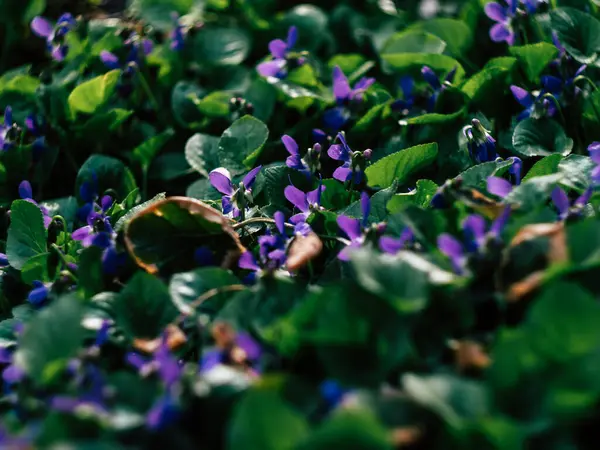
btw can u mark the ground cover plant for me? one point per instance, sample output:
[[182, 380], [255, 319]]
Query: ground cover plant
[[361, 224]]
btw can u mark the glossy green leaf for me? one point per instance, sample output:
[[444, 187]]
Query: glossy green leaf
[[242, 141], [91, 95], [541, 137], [399, 165], [26, 234]]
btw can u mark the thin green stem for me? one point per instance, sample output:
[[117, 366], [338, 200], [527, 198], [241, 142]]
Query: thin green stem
[[148, 92], [63, 259]]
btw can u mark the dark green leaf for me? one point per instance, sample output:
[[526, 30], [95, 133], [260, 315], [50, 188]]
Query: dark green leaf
[[145, 152], [144, 307], [26, 234], [541, 137], [221, 46], [420, 196], [202, 153], [534, 58], [399, 165], [50, 339], [91, 95], [241, 142], [578, 33], [109, 172]]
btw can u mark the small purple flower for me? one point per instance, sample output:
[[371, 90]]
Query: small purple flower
[[501, 187], [272, 251], [308, 165], [177, 34], [39, 294], [98, 231], [163, 363], [437, 85], [12, 373], [358, 230], [26, 193], [481, 145], [307, 203], [54, 35], [535, 103], [594, 149], [565, 70], [164, 412], [503, 15], [391, 245], [36, 128], [476, 237], [243, 352], [345, 97], [282, 56], [235, 199], [406, 103], [562, 203], [354, 163], [9, 131], [3, 260]]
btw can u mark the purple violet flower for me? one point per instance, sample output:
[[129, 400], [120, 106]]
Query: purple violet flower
[[54, 35], [392, 245], [26, 193], [8, 131], [565, 208], [177, 34], [354, 163], [307, 203], [272, 251], [566, 70], [594, 150], [358, 230], [474, 229], [282, 56], [243, 352], [501, 187], [345, 96], [535, 103], [40, 292], [505, 13], [163, 363], [406, 103], [308, 165], [235, 199], [481, 145], [437, 85], [4, 260]]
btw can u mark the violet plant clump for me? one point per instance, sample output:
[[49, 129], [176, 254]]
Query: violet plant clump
[[300, 225]]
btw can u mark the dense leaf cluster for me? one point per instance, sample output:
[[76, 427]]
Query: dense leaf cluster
[[361, 224]]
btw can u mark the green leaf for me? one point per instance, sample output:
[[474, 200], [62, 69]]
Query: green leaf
[[534, 192], [541, 137], [453, 398], [455, 33], [109, 172], [129, 214], [413, 41], [202, 153], [399, 165], [477, 175], [215, 104], [262, 96], [243, 140], [183, 105], [26, 234], [50, 339], [91, 95], [534, 58], [312, 23], [188, 286], [144, 307], [158, 12], [545, 166], [349, 429], [145, 152], [165, 235], [263, 420], [420, 196], [379, 200], [392, 279], [485, 83], [576, 171], [221, 46], [90, 272], [561, 330], [36, 268], [578, 32]]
